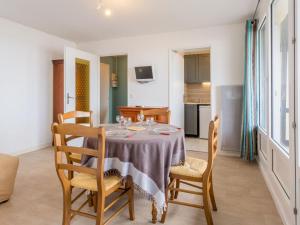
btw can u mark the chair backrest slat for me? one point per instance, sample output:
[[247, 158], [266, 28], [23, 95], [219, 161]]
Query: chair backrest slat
[[212, 145], [159, 115], [77, 115], [70, 129], [78, 169], [78, 150]]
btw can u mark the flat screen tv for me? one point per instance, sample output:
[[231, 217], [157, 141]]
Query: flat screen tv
[[144, 73]]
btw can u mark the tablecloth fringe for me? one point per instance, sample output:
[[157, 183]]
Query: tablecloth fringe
[[142, 192]]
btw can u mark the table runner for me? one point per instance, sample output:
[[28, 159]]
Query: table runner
[[146, 156]]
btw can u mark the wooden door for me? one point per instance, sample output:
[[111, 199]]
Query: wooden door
[[58, 88], [104, 92], [71, 56], [176, 89]]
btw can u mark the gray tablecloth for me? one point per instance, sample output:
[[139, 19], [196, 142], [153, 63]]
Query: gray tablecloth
[[145, 155]]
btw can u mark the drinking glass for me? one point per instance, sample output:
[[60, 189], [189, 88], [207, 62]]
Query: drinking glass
[[140, 117], [151, 120], [124, 122], [148, 121], [129, 121], [122, 119], [118, 118]]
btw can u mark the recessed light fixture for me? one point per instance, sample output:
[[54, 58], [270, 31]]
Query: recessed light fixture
[[107, 12], [100, 6]]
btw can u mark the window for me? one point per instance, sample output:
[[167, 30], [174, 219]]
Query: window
[[280, 81], [263, 75]]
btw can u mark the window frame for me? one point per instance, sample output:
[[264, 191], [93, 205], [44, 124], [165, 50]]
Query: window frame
[[284, 149], [265, 25]]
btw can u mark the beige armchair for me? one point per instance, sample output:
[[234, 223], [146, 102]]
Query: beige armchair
[[8, 171]]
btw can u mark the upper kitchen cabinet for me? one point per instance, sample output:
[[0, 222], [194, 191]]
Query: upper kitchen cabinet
[[190, 70], [197, 68]]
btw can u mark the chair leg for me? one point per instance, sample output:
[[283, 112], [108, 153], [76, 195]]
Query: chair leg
[[212, 196], [164, 214], [100, 209], [129, 184], [67, 207], [206, 204], [172, 193], [177, 186], [154, 213], [94, 199], [90, 198]]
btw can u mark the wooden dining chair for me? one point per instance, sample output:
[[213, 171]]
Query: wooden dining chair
[[88, 179], [81, 117], [199, 171], [78, 117], [159, 115]]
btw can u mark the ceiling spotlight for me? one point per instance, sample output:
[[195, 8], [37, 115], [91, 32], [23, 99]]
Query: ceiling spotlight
[[99, 6], [107, 12]]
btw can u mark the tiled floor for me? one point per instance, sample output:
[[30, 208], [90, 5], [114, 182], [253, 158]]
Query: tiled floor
[[196, 144], [241, 194]]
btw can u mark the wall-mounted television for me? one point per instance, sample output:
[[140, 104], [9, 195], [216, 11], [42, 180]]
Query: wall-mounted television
[[144, 73]]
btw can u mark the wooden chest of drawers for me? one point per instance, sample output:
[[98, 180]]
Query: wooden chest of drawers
[[133, 111]]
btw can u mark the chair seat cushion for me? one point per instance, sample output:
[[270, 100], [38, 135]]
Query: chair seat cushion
[[192, 167], [75, 157], [89, 182]]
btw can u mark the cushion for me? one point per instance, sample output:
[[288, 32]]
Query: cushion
[[8, 168], [89, 182], [192, 167]]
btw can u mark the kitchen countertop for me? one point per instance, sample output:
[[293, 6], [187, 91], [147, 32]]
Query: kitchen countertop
[[196, 103]]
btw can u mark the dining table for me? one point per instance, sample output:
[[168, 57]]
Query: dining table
[[145, 152]]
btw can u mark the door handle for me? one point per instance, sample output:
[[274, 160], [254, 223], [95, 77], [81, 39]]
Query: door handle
[[69, 97]]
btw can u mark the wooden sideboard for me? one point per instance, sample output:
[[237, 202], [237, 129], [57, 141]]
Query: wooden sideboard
[[133, 111]]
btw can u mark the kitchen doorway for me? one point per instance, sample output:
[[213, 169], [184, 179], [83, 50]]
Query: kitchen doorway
[[114, 86], [190, 80]]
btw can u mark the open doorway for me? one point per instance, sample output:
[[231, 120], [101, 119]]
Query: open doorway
[[197, 98], [114, 86], [190, 80]]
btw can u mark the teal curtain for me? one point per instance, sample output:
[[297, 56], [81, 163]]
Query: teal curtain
[[249, 121]]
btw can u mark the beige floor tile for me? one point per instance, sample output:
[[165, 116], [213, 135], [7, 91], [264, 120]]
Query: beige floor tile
[[241, 194]]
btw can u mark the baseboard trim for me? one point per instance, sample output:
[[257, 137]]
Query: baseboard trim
[[272, 186], [33, 149]]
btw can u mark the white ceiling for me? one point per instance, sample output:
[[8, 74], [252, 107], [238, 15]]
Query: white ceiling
[[78, 20]]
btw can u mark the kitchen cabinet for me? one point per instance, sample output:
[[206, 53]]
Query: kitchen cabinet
[[197, 68], [190, 70], [191, 116]]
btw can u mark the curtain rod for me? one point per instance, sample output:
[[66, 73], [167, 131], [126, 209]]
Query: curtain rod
[[256, 10]]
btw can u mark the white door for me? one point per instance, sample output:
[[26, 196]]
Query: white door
[[297, 97], [70, 57], [176, 88], [104, 93]]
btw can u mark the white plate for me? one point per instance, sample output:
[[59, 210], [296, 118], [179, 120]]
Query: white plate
[[165, 130]]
